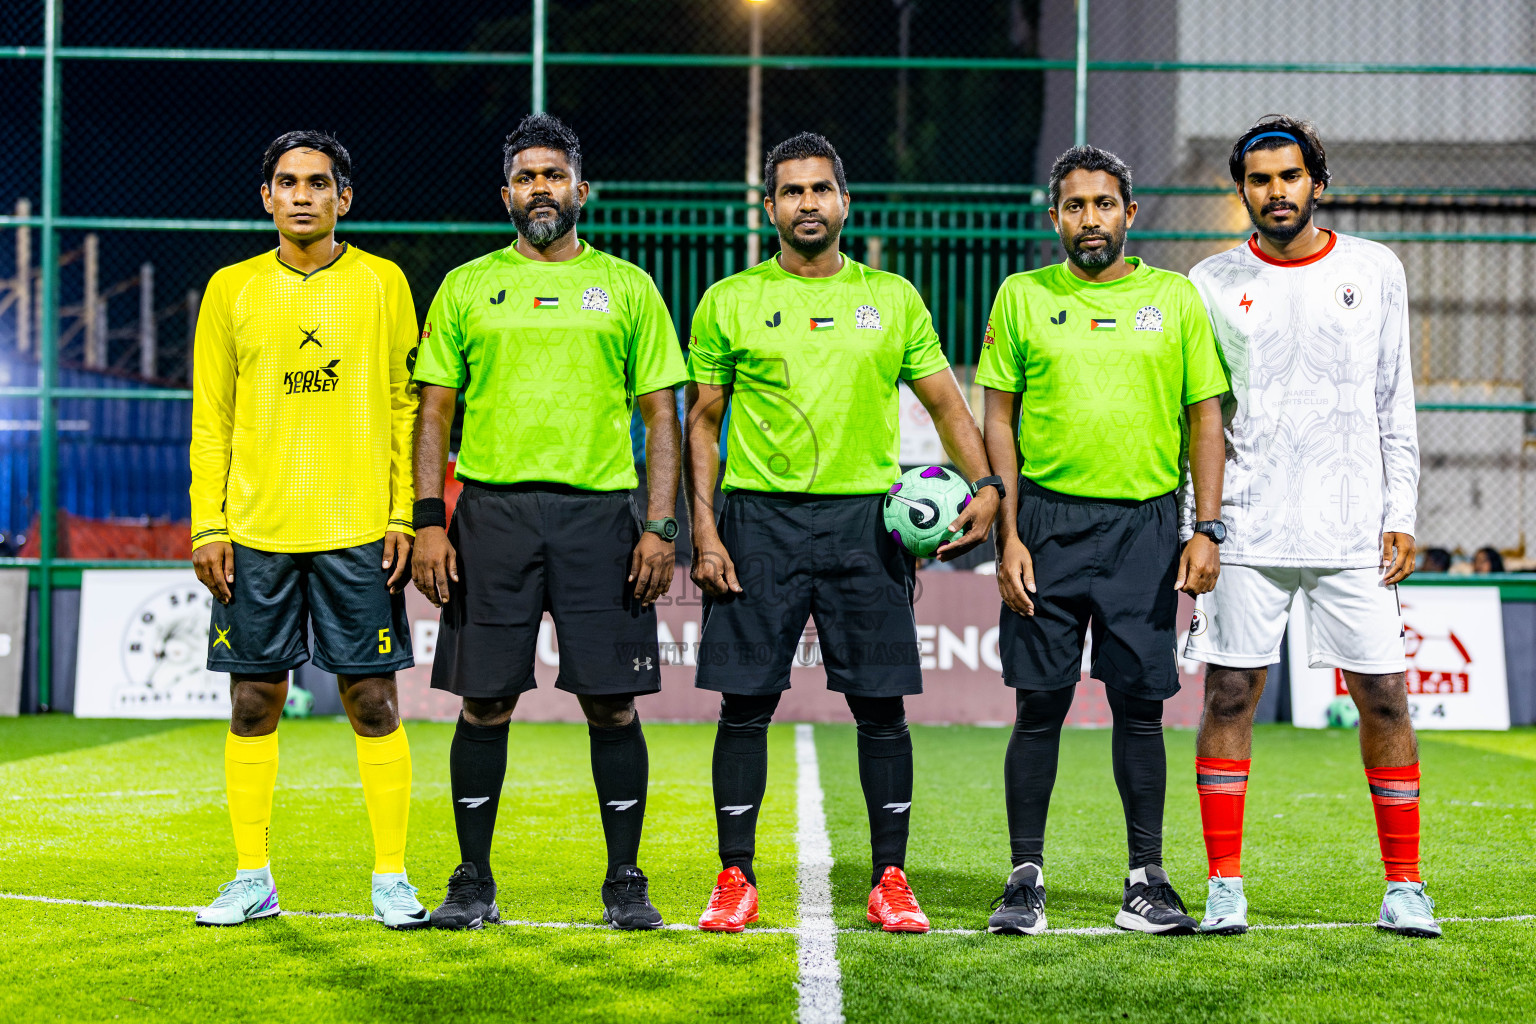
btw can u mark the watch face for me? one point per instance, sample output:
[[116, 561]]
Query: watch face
[[669, 529], [1218, 531]]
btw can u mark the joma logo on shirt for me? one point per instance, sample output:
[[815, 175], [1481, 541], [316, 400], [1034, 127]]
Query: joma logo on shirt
[[304, 382]]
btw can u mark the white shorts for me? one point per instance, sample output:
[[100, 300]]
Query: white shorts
[[1352, 621]]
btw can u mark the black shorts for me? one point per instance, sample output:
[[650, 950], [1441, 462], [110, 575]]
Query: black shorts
[[817, 556], [360, 628], [527, 549], [1111, 562]]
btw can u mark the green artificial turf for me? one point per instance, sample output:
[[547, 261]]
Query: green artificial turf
[[1310, 857], [134, 813]]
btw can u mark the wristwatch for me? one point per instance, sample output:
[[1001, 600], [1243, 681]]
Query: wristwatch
[[1212, 528], [990, 481], [666, 528]]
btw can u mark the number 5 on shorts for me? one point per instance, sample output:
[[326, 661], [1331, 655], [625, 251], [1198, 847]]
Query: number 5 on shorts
[[384, 641]]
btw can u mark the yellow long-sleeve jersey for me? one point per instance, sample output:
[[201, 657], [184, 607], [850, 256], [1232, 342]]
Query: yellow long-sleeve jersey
[[302, 404]]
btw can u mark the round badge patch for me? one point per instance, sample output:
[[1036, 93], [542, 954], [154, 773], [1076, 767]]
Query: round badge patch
[[1197, 624], [1348, 296]]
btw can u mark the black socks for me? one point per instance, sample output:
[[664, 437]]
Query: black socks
[[885, 773], [740, 775], [1029, 769], [620, 769], [477, 766]]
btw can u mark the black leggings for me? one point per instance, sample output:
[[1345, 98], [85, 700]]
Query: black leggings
[[1140, 762], [740, 775]]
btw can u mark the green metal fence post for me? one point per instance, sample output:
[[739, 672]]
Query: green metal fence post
[[1080, 100], [539, 23], [48, 354]]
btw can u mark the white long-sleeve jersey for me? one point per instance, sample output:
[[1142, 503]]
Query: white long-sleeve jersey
[[1322, 448]]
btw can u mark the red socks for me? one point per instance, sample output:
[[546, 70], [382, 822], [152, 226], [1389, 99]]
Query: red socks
[[1395, 796], [1223, 784]]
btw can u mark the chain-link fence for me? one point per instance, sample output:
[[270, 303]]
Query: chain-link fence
[[947, 115]]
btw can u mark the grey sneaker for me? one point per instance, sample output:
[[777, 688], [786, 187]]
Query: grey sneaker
[[1020, 910], [1152, 906]]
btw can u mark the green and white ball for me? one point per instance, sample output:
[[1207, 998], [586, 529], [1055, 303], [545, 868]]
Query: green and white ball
[[920, 506], [300, 702], [1342, 714]]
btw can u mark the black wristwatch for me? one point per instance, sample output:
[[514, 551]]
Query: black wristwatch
[[666, 528], [1212, 528], [990, 481]]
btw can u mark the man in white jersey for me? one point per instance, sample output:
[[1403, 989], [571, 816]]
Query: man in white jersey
[[1320, 486]]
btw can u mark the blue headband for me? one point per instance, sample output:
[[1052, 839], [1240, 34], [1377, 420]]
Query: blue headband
[[1271, 135]]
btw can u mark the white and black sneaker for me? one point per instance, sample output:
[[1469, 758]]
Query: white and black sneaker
[[471, 901], [1020, 910], [1152, 906], [627, 901]]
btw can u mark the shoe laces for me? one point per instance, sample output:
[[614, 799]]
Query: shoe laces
[[400, 895], [239, 892], [1224, 900], [727, 893], [1416, 902], [630, 890], [899, 897], [462, 888], [1162, 894], [1019, 894]]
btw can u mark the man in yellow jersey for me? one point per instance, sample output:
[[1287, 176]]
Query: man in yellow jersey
[[302, 411]]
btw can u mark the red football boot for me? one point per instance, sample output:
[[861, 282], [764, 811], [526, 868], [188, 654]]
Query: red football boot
[[892, 905], [733, 904]]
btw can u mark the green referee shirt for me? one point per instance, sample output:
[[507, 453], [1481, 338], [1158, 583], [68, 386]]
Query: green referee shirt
[[1106, 371], [813, 364], [550, 357]]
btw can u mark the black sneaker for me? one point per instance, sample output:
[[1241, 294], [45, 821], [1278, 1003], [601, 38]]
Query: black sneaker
[[626, 900], [1152, 906], [471, 901], [1020, 910]]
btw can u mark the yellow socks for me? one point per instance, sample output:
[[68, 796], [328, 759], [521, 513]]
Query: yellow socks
[[384, 762], [250, 773]]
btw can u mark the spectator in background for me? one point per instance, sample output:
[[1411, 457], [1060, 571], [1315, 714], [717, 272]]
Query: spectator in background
[[1436, 560], [1487, 560]]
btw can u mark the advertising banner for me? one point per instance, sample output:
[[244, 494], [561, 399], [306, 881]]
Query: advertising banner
[[1454, 640], [13, 637], [957, 628], [143, 647]]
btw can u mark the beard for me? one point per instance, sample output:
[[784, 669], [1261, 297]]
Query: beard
[[1094, 259], [1282, 233], [542, 233], [810, 250]]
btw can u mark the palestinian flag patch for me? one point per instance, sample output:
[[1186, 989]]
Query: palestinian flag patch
[[1101, 325], [542, 303], [821, 323]]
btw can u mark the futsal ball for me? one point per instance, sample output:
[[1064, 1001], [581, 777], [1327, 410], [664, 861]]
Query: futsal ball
[[920, 506], [299, 704], [1342, 714]]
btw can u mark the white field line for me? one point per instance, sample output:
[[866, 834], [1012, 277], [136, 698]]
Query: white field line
[[821, 979], [1305, 926]]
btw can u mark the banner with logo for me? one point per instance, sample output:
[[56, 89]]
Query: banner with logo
[[1454, 639], [13, 637], [957, 631], [143, 647]]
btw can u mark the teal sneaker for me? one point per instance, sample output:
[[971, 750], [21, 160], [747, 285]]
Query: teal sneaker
[[1408, 910], [1226, 908], [252, 894], [395, 903]]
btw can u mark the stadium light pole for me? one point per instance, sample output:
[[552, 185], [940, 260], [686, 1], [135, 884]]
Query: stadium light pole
[[539, 22], [1080, 98], [755, 135]]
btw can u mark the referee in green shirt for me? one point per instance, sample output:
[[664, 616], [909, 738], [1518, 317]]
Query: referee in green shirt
[[1107, 365], [553, 344], [807, 348]]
